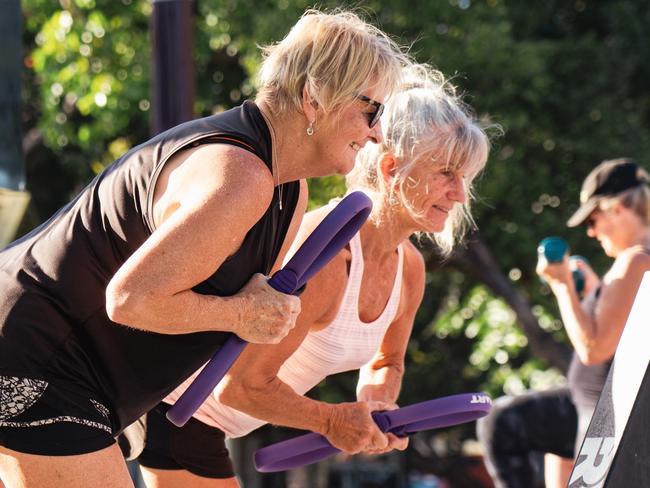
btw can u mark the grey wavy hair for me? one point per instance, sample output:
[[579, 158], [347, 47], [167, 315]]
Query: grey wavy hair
[[425, 122]]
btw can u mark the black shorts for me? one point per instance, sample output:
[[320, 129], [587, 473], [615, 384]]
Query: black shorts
[[195, 447], [517, 428], [51, 418]]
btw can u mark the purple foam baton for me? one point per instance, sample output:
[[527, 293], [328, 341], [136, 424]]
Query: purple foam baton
[[325, 241], [432, 414]]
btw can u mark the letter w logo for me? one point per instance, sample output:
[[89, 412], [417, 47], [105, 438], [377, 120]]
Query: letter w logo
[[593, 462]]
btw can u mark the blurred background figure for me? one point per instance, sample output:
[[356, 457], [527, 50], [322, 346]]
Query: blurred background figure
[[615, 210]]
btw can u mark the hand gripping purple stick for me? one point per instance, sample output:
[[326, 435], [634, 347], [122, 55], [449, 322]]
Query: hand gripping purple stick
[[432, 414], [326, 240]]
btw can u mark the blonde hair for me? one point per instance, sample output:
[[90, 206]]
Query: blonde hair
[[636, 198], [336, 56], [423, 122]]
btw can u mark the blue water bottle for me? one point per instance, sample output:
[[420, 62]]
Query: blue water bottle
[[553, 249]]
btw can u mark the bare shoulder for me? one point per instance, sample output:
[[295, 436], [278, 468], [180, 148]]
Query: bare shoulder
[[628, 269], [304, 193], [309, 222], [633, 259], [414, 268], [226, 167], [635, 254], [312, 219], [211, 180]]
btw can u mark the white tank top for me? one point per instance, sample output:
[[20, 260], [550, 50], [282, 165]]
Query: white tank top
[[345, 344]]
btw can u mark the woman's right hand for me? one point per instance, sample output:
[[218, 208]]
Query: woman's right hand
[[352, 429], [267, 315]]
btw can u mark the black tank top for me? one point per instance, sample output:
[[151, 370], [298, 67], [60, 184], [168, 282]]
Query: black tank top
[[53, 322]]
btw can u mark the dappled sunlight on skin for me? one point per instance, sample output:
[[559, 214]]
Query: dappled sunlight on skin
[[433, 193]]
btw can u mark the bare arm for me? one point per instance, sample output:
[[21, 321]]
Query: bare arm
[[595, 338], [208, 218], [381, 379]]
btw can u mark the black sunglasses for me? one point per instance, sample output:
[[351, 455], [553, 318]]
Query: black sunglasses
[[373, 117]]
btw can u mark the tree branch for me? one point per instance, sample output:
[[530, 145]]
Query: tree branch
[[477, 259]]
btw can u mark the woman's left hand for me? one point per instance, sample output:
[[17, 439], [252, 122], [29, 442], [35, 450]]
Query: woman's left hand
[[394, 442], [554, 273]]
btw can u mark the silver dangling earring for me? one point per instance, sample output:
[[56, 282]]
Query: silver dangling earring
[[310, 129]]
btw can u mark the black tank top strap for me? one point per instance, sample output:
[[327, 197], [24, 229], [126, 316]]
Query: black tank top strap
[[221, 139]]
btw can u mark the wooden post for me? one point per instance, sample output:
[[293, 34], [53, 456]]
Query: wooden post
[[12, 171], [13, 198], [173, 73]]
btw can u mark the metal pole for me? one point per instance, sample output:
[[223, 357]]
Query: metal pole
[[12, 171], [173, 73]]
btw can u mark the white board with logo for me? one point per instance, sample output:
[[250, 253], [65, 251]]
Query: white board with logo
[[616, 448]]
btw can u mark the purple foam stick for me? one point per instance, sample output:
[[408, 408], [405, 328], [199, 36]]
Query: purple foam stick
[[325, 241], [432, 414]]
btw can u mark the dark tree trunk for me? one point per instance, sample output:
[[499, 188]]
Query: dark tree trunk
[[12, 173], [173, 74]]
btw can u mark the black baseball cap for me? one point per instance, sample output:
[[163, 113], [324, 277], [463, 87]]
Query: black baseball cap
[[609, 178]]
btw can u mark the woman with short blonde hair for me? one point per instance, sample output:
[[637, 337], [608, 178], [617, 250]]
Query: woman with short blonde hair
[[334, 57]]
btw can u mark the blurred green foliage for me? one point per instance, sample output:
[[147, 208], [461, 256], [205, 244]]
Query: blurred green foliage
[[91, 62], [566, 80]]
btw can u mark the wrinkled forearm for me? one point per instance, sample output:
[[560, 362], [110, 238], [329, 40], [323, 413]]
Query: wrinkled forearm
[[277, 403]]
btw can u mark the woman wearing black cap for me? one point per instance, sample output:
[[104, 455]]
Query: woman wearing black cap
[[615, 209]]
